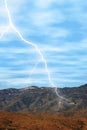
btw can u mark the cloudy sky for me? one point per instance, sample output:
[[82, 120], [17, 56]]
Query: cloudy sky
[[58, 28]]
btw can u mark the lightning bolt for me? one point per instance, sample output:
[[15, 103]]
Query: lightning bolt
[[11, 24], [13, 27]]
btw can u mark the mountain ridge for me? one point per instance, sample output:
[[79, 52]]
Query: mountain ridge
[[43, 99]]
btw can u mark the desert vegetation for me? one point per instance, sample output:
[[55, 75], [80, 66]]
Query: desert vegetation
[[43, 121]]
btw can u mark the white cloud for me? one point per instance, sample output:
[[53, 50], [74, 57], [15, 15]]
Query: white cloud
[[83, 43], [3, 16], [57, 32], [50, 48], [15, 50], [43, 3], [45, 18], [77, 12], [41, 18], [48, 3]]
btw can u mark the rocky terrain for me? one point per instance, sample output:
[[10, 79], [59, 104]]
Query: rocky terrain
[[71, 120], [44, 99]]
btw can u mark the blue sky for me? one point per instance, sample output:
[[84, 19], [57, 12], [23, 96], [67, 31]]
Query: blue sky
[[58, 28]]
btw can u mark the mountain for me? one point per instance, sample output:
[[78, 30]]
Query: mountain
[[45, 99]]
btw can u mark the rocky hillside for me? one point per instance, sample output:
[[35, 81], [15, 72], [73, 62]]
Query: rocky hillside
[[21, 121], [44, 99]]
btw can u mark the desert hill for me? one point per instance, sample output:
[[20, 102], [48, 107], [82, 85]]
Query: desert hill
[[61, 121], [43, 99]]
